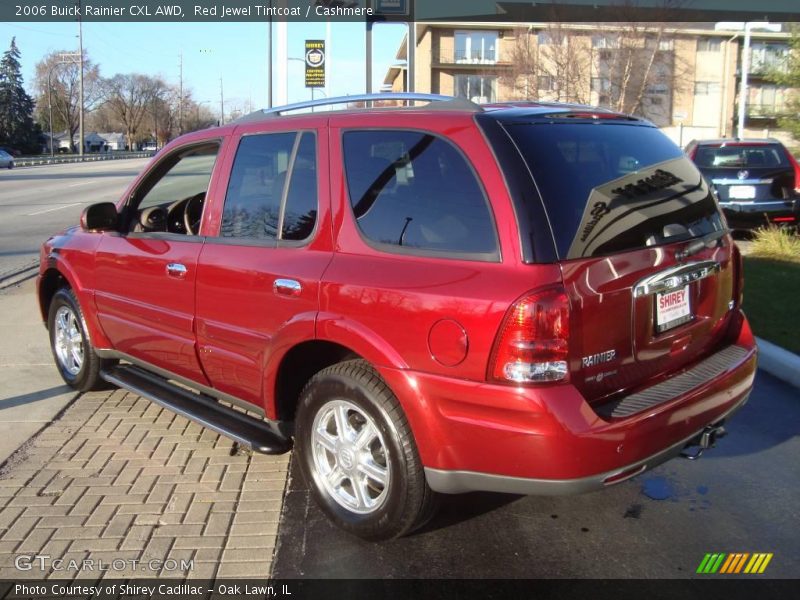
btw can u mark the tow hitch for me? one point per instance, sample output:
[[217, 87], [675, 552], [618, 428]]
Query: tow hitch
[[706, 439]]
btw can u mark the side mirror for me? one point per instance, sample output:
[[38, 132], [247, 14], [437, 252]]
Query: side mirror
[[100, 217]]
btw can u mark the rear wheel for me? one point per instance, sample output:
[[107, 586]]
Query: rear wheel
[[75, 358], [358, 454]]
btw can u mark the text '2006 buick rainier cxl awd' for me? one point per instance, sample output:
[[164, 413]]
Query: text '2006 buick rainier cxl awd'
[[428, 299]]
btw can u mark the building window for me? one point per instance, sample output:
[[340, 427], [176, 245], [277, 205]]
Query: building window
[[765, 56], [709, 45], [545, 83], [476, 47], [706, 88], [476, 88], [601, 84], [604, 41], [663, 44], [766, 100], [545, 38], [658, 88]]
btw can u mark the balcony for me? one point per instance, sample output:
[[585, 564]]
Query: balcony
[[447, 56], [766, 111]]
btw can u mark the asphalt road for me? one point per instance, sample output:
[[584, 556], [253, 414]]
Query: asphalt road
[[742, 496], [36, 202]]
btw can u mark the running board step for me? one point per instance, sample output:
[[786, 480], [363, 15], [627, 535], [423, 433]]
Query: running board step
[[260, 436]]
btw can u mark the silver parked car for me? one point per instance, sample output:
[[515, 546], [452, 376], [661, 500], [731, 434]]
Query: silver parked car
[[6, 160]]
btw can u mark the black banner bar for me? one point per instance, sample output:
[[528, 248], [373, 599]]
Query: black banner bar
[[706, 587], [507, 11]]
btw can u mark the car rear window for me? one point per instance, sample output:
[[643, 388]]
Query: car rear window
[[610, 187], [737, 156]]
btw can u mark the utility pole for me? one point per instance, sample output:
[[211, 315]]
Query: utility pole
[[80, 93], [221, 105], [180, 95], [269, 59]]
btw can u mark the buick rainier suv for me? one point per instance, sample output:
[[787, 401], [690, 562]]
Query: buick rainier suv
[[428, 299]]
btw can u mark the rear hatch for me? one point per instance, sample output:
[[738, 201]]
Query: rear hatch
[[645, 256], [747, 171]]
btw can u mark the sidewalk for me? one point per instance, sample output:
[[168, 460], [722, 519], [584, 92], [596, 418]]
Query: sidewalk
[[32, 393], [117, 478]]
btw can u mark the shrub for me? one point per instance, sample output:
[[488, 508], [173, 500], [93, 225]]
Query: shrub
[[776, 243]]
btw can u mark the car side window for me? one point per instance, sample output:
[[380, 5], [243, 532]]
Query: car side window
[[172, 198], [272, 192], [414, 190]]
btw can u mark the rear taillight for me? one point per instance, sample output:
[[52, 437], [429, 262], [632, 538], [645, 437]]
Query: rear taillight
[[796, 166], [738, 276], [532, 344]]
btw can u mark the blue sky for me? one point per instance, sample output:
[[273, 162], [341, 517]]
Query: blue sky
[[235, 51]]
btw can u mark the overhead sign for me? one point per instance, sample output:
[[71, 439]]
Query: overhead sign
[[315, 63]]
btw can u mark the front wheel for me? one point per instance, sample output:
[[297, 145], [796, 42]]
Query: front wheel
[[358, 454], [75, 358]]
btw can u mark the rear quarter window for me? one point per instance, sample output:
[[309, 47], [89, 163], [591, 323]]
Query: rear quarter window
[[413, 191]]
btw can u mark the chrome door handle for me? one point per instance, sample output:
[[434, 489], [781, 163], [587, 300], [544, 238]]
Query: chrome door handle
[[176, 270], [287, 287]]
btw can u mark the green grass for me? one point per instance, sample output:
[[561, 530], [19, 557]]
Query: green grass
[[772, 300]]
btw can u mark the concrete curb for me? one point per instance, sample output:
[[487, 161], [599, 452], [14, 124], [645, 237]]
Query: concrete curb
[[778, 362]]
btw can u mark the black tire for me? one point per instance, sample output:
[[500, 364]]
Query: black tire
[[406, 501], [87, 377]]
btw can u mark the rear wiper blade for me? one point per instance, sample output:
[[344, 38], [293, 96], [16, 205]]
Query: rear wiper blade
[[707, 241]]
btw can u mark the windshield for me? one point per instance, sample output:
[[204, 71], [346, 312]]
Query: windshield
[[610, 187]]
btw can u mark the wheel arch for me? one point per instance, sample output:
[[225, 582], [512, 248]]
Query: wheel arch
[[58, 276]]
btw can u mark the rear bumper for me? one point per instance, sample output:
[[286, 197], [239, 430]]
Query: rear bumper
[[459, 482], [549, 440], [753, 214]]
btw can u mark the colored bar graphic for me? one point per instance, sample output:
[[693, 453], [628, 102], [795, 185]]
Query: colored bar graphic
[[729, 564], [703, 564], [715, 567], [764, 564], [741, 563]]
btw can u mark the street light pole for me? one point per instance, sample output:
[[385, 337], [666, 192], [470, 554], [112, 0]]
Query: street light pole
[[747, 28], [80, 94]]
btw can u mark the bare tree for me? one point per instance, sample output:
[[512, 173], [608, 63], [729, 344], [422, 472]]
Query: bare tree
[[64, 79], [130, 98]]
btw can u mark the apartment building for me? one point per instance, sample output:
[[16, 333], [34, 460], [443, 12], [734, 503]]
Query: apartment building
[[682, 76]]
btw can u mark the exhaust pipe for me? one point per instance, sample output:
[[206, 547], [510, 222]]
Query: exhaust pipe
[[706, 439]]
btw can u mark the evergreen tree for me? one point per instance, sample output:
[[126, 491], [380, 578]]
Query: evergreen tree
[[17, 128]]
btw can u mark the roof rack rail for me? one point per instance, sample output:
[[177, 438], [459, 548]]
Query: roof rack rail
[[436, 101]]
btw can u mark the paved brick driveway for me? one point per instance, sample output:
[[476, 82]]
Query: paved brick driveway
[[119, 478]]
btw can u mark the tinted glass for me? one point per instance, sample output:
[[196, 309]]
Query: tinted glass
[[609, 187], [300, 212], [188, 177], [738, 156], [417, 191], [255, 189]]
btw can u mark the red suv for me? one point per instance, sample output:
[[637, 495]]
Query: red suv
[[438, 298]]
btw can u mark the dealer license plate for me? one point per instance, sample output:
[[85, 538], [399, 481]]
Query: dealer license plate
[[672, 309], [742, 192]]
